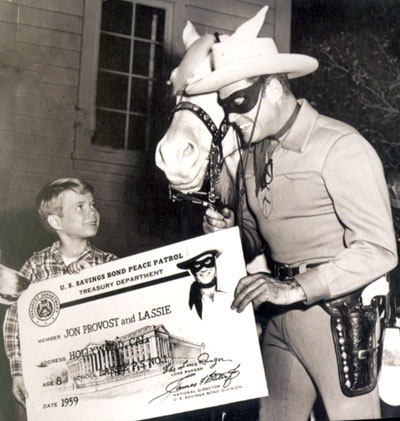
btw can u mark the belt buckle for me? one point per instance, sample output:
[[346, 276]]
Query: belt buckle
[[287, 272], [283, 272]]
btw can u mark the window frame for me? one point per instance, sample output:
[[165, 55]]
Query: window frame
[[86, 106]]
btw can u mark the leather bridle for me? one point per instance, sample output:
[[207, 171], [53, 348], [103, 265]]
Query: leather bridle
[[211, 198]]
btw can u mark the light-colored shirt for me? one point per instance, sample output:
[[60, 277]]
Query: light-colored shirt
[[217, 310], [327, 202]]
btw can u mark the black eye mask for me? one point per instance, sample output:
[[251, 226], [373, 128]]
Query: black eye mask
[[249, 95], [208, 262]]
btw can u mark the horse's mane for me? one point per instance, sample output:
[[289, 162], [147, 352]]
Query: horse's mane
[[196, 54]]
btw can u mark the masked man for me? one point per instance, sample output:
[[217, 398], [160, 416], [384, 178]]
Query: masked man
[[313, 189], [204, 289]]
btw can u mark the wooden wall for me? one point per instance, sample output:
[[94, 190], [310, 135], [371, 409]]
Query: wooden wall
[[40, 56], [225, 16]]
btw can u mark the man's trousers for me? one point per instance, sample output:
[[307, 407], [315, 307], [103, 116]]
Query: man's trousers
[[299, 360]]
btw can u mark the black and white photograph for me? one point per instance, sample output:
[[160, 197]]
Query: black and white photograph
[[267, 127]]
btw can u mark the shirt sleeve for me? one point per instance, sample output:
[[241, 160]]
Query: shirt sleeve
[[11, 340], [11, 329], [355, 181]]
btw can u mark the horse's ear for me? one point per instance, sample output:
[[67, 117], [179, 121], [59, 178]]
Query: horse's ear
[[251, 28], [189, 34]]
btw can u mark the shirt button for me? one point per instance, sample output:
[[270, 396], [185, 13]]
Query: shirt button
[[242, 192]]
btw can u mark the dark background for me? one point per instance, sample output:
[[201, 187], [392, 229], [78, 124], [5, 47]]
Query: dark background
[[358, 81]]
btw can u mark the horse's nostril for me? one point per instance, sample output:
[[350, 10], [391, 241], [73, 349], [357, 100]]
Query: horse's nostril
[[188, 150], [188, 154]]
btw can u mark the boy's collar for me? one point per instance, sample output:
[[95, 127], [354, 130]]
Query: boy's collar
[[56, 248]]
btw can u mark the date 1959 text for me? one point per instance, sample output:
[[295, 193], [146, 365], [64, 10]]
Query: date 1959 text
[[71, 401]]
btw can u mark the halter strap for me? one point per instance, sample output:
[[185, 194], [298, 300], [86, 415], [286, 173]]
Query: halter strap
[[216, 36], [217, 134], [215, 155], [199, 112]]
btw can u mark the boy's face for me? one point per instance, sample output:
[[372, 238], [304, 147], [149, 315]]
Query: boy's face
[[80, 218]]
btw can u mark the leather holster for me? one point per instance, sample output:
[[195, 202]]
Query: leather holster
[[356, 334]]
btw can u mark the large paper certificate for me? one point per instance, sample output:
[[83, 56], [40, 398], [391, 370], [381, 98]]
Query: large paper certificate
[[144, 336]]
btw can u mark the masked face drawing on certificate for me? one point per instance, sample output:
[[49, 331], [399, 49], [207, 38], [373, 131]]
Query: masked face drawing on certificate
[[205, 290]]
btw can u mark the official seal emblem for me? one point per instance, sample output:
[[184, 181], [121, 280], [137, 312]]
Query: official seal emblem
[[44, 308]]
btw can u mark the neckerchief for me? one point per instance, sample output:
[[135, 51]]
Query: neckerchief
[[195, 295], [263, 172]]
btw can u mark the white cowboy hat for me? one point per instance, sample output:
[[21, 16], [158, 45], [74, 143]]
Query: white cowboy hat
[[187, 264], [243, 55]]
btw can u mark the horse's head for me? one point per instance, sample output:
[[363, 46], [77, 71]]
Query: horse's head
[[183, 151]]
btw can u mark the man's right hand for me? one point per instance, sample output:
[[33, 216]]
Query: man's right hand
[[18, 389], [215, 221], [261, 287]]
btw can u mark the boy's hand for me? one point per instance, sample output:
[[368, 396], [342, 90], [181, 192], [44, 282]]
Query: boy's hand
[[214, 221], [18, 389], [78, 265]]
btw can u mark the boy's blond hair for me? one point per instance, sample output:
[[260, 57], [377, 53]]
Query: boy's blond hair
[[49, 201]]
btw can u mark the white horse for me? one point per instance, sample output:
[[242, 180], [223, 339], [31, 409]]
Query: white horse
[[183, 152]]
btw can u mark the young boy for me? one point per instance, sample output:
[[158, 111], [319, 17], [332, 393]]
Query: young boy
[[67, 208]]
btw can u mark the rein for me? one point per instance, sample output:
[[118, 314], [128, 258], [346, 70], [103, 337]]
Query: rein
[[211, 198]]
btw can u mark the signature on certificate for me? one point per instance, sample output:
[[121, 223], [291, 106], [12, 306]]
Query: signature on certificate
[[187, 382], [203, 359]]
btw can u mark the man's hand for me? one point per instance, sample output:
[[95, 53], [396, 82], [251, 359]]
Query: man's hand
[[215, 221], [18, 389], [261, 287]]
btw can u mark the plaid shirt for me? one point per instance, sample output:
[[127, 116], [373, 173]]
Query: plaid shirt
[[43, 265]]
